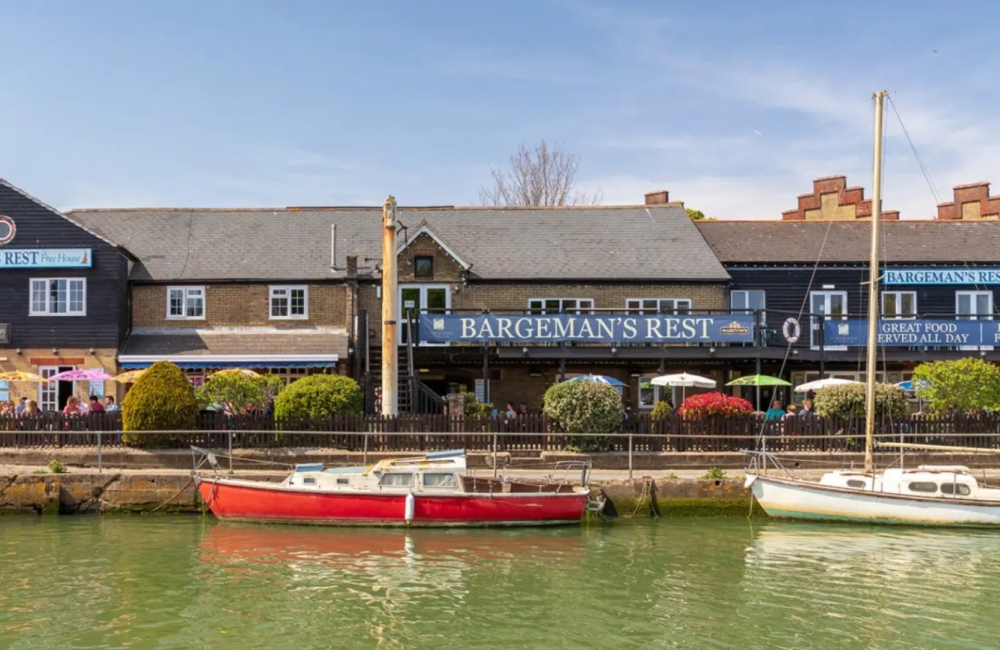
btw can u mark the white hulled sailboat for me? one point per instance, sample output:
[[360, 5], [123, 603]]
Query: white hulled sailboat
[[927, 495]]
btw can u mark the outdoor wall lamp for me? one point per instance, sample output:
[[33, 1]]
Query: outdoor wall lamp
[[93, 351], [19, 351], [711, 350], [524, 351], [55, 350], [614, 351]]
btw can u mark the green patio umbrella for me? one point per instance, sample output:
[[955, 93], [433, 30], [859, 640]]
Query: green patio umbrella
[[759, 380]]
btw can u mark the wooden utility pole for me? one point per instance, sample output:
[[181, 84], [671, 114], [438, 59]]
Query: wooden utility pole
[[390, 311]]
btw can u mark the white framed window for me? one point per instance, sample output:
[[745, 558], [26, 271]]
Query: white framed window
[[185, 303], [974, 305], [748, 301], [658, 305], [416, 299], [289, 302], [58, 297], [561, 305], [898, 305], [825, 306]]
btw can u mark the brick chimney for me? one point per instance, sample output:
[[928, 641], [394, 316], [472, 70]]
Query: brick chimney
[[659, 197], [832, 200], [352, 267], [972, 202]]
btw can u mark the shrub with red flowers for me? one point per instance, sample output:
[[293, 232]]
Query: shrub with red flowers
[[714, 405]]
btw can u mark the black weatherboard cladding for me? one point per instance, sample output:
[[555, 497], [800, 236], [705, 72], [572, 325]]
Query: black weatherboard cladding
[[39, 227]]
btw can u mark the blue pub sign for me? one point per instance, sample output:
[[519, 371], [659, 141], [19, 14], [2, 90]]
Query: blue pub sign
[[589, 328], [917, 333]]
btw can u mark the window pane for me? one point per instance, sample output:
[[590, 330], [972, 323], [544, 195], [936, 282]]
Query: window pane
[[38, 296], [908, 304], [423, 267], [437, 299], [536, 306], [837, 306], [195, 303], [176, 301], [441, 480], [279, 306], [633, 306], [889, 308], [298, 307], [755, 299], [983, 304], [411, 300], [397, 480], [683, 307], [76, 300], [553, 306], [585, 306], [964, 304], [923, 486], [57, 296], [738, 300]]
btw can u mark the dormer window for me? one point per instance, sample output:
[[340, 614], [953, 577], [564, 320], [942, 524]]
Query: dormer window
[[423, 266]]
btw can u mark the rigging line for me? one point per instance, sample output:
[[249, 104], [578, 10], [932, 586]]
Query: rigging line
[[920, 162]]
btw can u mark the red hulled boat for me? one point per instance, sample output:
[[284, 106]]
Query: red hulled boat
[[432, 490]]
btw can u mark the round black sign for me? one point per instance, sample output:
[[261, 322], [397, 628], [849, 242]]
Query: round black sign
[[7, 230]]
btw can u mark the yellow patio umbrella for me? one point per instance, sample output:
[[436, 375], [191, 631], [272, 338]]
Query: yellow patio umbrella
[[129, 376], [17, 375], [233, 371]]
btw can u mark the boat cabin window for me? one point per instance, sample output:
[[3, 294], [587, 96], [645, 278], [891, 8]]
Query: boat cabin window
[[343, 481], [396, 480], [955, 488], [923, 486], [440, 480], [855, 483], [309, 481]]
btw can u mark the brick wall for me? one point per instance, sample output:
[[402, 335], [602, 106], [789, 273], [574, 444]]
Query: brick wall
[[445, 268], [970, 202], [832, 200], [240, 305], [515, 296]]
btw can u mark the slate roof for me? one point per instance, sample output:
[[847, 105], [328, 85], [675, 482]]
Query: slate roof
[[614, 243], [195, 343], [793, 242]]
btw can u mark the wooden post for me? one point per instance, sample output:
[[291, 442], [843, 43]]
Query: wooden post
[[390, 309]]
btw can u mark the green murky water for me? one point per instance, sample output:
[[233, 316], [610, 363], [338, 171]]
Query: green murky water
[[187, 582]]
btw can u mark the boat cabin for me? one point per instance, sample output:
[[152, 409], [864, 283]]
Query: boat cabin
[[924, 481]]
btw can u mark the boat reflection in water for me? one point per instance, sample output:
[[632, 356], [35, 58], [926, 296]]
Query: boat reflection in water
[[896, 587]]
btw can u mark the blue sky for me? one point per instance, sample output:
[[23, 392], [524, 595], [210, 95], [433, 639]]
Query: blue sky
[[732, 107]]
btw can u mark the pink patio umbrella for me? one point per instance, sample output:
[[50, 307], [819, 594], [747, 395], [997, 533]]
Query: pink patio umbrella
[[81, 375]]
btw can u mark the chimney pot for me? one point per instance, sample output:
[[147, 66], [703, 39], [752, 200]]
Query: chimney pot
[[659, 197], [352, 266]]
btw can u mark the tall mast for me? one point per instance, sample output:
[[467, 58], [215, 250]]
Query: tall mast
[[873, 292], [390, 309]]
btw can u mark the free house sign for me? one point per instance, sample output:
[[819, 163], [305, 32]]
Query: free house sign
[[38, 258]]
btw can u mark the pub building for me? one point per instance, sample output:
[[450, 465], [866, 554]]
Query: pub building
[[807, 275], [63, 300], [215, 289]]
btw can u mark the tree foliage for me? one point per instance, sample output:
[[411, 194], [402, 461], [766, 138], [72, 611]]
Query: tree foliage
[[319, 396], [697, 215], [162, 399], [963, 385], [474, 408], [848, 401], [661, 410], [543, 176], [585, 407], [714, 405], [239, 392]]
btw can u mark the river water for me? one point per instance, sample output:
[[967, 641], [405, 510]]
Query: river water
[[189, 582]]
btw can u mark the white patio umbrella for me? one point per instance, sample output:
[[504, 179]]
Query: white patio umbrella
[[683, 380], [823, 383]]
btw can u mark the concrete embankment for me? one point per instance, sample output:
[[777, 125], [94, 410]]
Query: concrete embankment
[[182, 459], [157, 491]]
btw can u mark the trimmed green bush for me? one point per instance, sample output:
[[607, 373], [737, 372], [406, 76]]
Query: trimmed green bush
[[239, 392], [661, 410], [585, 407], [960, 386], [319, 396], [848, 401], [162, 399], [476, 409]]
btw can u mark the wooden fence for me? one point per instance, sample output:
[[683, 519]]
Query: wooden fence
[[532, 433]]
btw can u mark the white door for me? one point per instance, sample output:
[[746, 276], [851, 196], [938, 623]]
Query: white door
[[415, 299], [974, 305], [48, 393], [826, 305]]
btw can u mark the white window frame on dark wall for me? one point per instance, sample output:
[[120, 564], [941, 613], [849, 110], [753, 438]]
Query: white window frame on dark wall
[[745, 306], [52, 297], [189, 293], [285, 293], [898, 298], [561, 305]]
